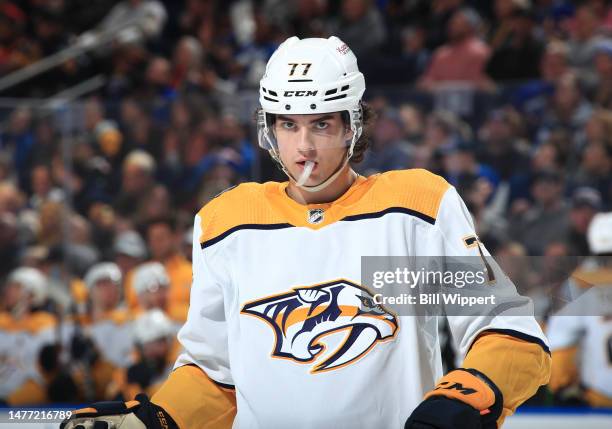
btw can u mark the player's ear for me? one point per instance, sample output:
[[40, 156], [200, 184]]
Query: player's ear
[[348, 133]]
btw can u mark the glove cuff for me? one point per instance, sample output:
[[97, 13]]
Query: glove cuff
[[472, 387]]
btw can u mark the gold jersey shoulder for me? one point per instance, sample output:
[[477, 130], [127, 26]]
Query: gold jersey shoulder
[[417, 190], [266, 206]]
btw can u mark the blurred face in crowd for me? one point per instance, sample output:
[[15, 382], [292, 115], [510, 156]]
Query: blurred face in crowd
[[353, 10], [158, 72], [158, 203], [93, 114], [581, 216], [156, 297], [161, 240], [603, 65], [106, 295], [595, 159], [504, 8], [319, 138], [135, 179], [545, 157], [547, 192], [585, 23], [41, 180], [553, 64], [459, 28], [12, 295], [567, 94], [156, 351], [126, 262]]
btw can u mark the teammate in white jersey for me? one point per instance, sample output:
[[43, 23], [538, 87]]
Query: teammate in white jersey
[[581, 334], [282, 333]]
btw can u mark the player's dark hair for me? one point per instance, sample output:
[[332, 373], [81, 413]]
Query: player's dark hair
[[368, 117]]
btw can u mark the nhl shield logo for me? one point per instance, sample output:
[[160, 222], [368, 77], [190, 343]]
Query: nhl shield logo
[[315, 216]]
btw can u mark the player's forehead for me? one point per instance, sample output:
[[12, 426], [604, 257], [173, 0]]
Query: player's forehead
[[310, 118]]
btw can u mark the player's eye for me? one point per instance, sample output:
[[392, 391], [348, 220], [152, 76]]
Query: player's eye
[[286, 125], [322, 125]]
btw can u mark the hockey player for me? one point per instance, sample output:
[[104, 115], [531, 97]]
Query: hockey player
[[581, 334], [277, 268], [110, 324], [156, 351], [152, 287], [25, 328]]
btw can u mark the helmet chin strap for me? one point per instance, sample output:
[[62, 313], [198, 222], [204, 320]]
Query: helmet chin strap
[[327, 181]]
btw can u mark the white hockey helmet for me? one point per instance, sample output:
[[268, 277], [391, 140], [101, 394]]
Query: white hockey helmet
[[599, 234], [103, 271], [152, 325], [310, 76], [33, 281], [149, 277]]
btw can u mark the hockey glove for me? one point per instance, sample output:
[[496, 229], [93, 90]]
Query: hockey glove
[[138, 414], [462, 399]]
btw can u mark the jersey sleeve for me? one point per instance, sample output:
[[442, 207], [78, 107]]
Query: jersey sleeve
[[511, 313], [204, 335], [502, 340]]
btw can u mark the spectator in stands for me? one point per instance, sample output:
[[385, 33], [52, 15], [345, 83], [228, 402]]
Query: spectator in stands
[[555, 62], [463, 58], [583, 42], [595, 169], [586, 203], [158, 93], [109, 325], [540, 224], [43, 188], [569, 110], [25, 327], [388, 151], [152, 287], [156, 350], [360, 26], [187, 58], [136, 183], [163, 238], [602, 83], [517, 56], [129, 251]]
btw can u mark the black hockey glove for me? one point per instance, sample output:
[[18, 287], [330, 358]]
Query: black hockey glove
[[462, 399], [138, 414]]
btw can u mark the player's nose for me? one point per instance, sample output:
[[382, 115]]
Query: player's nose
[[304, 141]]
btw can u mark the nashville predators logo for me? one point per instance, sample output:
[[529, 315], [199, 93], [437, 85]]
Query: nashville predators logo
[[306, 319]]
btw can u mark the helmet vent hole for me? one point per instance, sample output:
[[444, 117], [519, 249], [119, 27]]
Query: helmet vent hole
[[273, 93], [344, 88], [331, 91]]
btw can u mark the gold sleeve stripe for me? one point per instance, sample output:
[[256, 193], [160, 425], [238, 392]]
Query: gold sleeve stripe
[[205, 407], [518, 335], [517, 367]]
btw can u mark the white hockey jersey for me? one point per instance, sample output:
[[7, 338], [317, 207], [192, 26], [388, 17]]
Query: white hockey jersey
[[276, 296]]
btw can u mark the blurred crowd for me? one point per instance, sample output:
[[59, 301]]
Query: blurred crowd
[[509, 100]]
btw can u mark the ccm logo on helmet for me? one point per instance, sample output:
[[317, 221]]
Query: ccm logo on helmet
[[300, 93]]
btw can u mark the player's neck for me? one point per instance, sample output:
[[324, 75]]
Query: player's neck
[[326, 195]]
